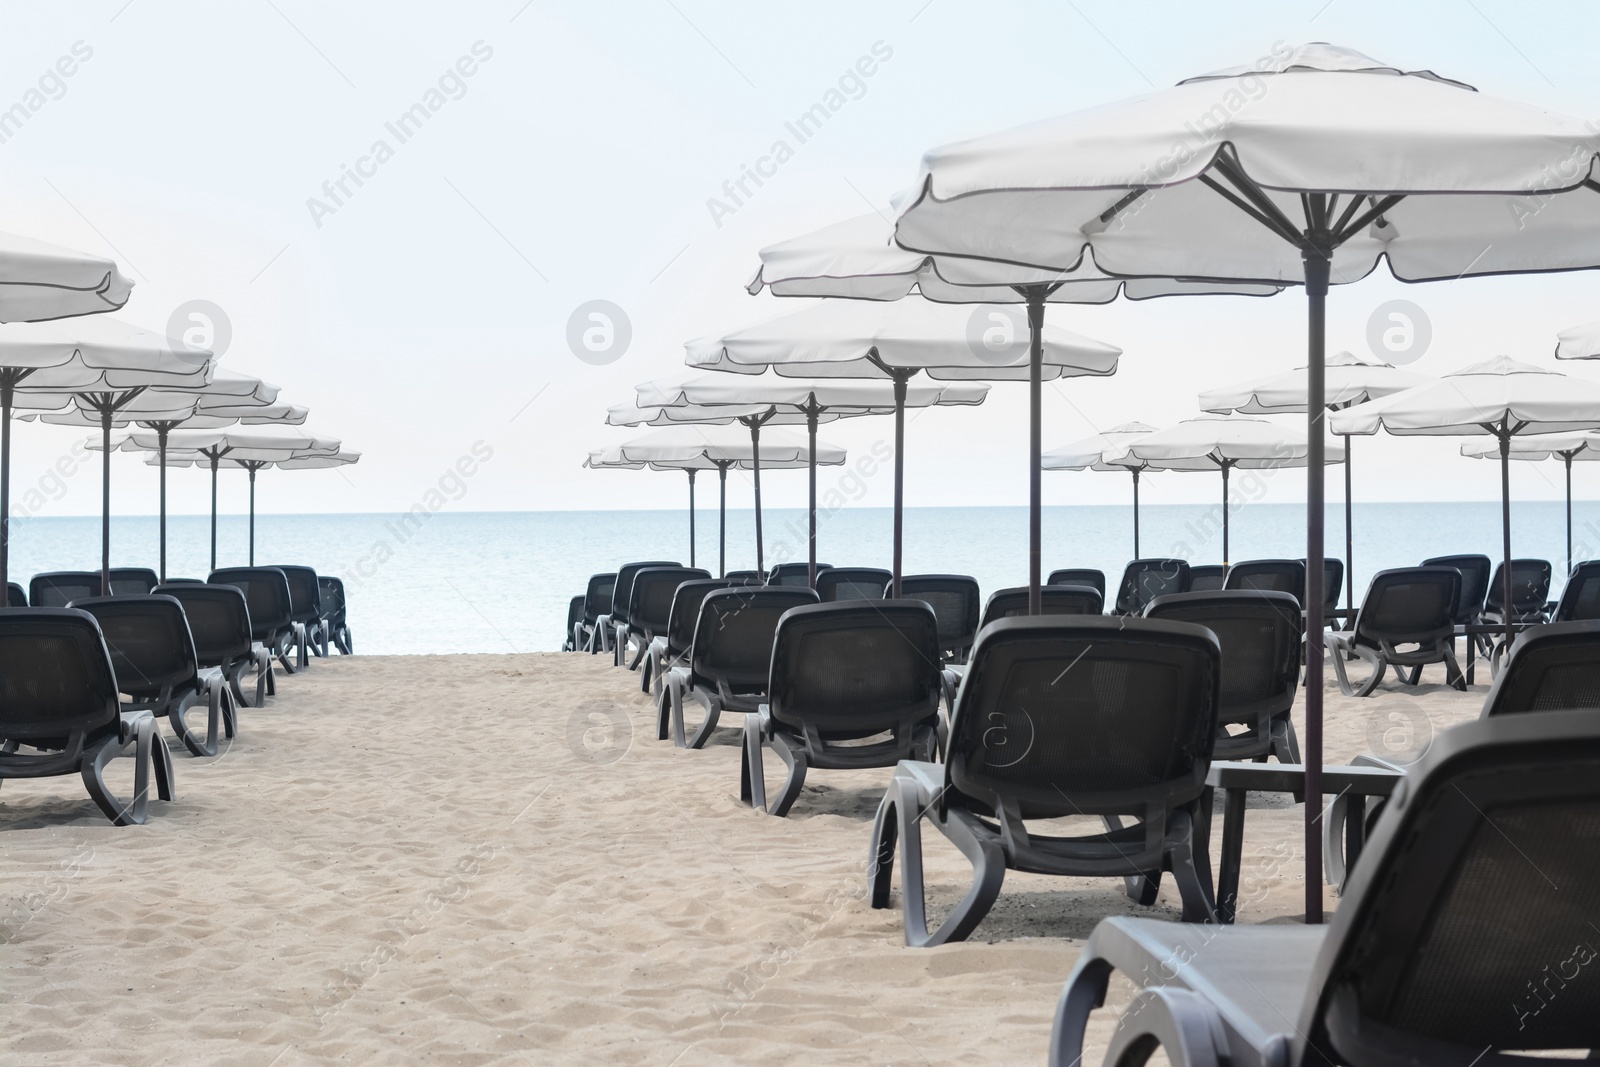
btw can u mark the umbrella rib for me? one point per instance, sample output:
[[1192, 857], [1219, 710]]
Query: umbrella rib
[[1344, 233], [1349, 213], [1281, 230], [1263, 203]]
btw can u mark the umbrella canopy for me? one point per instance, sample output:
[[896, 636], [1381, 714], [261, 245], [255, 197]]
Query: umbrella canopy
[[1580, 342], [1501, 398], [859, 259], [839, 397], [1347, 379], [1090, 452], [1540, 447], [1230, 176], [209, 447], [1222, 443], [41, 281], [693, 449]]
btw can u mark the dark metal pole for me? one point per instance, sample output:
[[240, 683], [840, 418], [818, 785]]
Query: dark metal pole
[[252, 515], [722, 520], [1317, 258], [1035, 298], [1225, 466], [812, 411], [1505, 528], [1567, 456], [1136, 514], [161, 458], [214, 512], [691, 517], [1349, 537], [7, 389], [105, 501], [900, 474], [755, 467]]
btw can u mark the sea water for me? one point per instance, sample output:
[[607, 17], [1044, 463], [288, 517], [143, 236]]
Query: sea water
[[500, 581]]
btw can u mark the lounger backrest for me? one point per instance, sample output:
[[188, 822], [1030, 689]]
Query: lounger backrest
[[1277, 575], [1145, 579], [305, 593], [1332, 582], [1408, 604], [1087, 715], [1475, 571], [753, 577], [219, 619], [733, 636], [1467, 926], [1554, 667], [1053, 600], [685, 610], [955, 601], [1530, 586], [55, 675], [16, 596], [623, 588], [597, 599], [574, 615], [854, 670], [1259, 631], [1080, 576], [57, 589], [148, 638], [1208, 577], [1580, 600], [333, 607], [852, 583], [129, 581], [794, 574], [266, 591], [650, 603]]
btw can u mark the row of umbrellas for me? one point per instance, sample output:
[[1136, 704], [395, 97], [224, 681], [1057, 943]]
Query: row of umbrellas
[[62, 361], [1345, 163]]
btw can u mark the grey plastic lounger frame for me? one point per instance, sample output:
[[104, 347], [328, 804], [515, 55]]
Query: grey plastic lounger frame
[[789, 574], [956, 603], [597, 597], [839, 584], [305, 610], [266, 591], [132, 581], [615, 622], [57, 589], [335, 609], [670, 648], [1260, 633], [1112, 717], [59, 701], [729, 660], [1580, 600], [1454, 943], [1406, 605], [1207, 577], [574, 621], [1080, 576], [650, 609], [841, 675], [154, 660], [1145, 579], [219, 622], [1277, 575]]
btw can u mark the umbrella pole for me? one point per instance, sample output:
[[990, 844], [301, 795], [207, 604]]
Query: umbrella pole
[[1136, 514], [1035, 296], [1317, 257], [812, 411], [105, 502], [722, 520], [755, 467], [1225, 466], [252, 516], [161, 458], [7, 389], [1567, 457], [900, 476], [1505, 531], [691, 516], [214, 512]]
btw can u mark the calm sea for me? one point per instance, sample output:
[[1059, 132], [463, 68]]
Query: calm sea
[[500, 581]]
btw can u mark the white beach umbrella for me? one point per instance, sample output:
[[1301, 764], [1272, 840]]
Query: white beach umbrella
[[1348, 379], [40, 281], [840, 397], [1090, 453], [693, 449], [1499, 398], [208, 448], [858, 259], [1580, 342], [1222, 443], [1540, 447], [898, 340], [1309, 167]]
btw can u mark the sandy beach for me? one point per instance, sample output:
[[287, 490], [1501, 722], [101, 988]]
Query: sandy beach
[[489, 859]]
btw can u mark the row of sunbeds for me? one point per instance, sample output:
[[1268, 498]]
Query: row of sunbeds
[[86, 677], [1483, 870]]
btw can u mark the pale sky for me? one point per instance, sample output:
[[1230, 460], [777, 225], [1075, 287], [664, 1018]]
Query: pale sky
[[569, 154]]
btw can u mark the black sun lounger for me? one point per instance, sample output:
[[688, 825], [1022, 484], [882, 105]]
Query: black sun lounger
[[219, 622], [335, 609], [1145, 579], [1405, 606]]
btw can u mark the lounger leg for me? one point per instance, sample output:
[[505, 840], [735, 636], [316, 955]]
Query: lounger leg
[[752, 783], [1084, 992], [1193, 890], [649, 663], [1452, 670], [702, 734], [1232, 854], [880, 849], [796, 765], [93, 772], [166, 780], [1177, 1021], [664, 709], [988, 874], [190, 740], [1379, 665], [1141, 888], [1285, 745], [638, 657]]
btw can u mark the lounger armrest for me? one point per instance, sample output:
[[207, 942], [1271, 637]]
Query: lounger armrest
[[1379, 762], [128, 724]]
